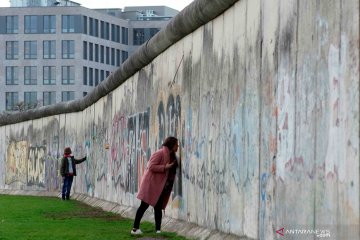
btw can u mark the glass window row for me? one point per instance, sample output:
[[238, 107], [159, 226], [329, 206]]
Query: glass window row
[[31, 49], [93, 76], [102, 54], [105, 30], [31, 99], [39, 24], [91, 51], [48, 76], [141, 35]]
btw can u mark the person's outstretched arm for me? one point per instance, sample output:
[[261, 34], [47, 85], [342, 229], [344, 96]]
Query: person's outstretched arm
[[77, 161]]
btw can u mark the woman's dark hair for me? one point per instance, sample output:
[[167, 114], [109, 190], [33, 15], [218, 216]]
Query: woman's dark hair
[[170, 142]]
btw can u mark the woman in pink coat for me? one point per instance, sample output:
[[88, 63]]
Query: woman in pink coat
[[157, 182]]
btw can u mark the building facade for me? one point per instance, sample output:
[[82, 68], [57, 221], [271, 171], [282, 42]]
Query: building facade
[[56, 53]]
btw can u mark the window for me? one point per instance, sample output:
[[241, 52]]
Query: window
[[12, 24], [12, 75], [107, 55], [49, 50], [96, 28], [85, 76], [68, 23], [11, 99], [67, 96], [117, 32], [85, 50], [91, 77], [124, 55], [107, 31], [49, 75], [30, 50], [102, 53], [139, 36], [102, 75], [102, 29], [49, 98], [12, 50], [49, 24], [96, 53], [84, 94], [68, 49], [113, 56], [68, 75], [91, 26], [118, 57], [124, 35], [31, 24], [153, 31], [30, 100], [91, 52], [30, 75], [96, 77], [113, 35], [85, 25]]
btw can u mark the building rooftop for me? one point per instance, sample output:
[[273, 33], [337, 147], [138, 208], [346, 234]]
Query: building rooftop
[[134, 13]]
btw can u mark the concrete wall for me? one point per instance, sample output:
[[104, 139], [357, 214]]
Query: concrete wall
[[265, 101]]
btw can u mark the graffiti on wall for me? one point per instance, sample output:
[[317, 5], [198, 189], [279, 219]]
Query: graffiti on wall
[[89, 183], [139, 151], [169, 118], [130, 149], [51, 172], [36, 166], [16, 162], [118, 150], [99, 140], [26, 165], [169, 123]]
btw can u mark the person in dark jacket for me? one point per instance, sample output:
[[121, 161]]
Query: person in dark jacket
[[68, 171]]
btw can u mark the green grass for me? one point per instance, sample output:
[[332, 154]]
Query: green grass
[[36, 218]]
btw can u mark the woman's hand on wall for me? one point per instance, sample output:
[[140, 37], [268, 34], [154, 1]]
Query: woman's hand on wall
[[169, 165]]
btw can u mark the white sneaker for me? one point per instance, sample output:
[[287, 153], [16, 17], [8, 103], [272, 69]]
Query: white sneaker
[[136, 232], [158, 231]]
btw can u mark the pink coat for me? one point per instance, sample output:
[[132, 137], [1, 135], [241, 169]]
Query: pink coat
[[155, 177]]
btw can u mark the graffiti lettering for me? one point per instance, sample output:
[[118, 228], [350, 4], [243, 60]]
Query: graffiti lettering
[[36, 166], [16, 162]]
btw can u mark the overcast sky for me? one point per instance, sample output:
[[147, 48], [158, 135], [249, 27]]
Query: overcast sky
[[176, 4]]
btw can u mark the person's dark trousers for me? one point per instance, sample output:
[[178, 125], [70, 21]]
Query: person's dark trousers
[[157, 212], [67, 187], [140, 213]]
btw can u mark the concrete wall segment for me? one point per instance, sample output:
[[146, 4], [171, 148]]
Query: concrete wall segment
[[224, 147], [349, 89], [3, 147], [268, 119]]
